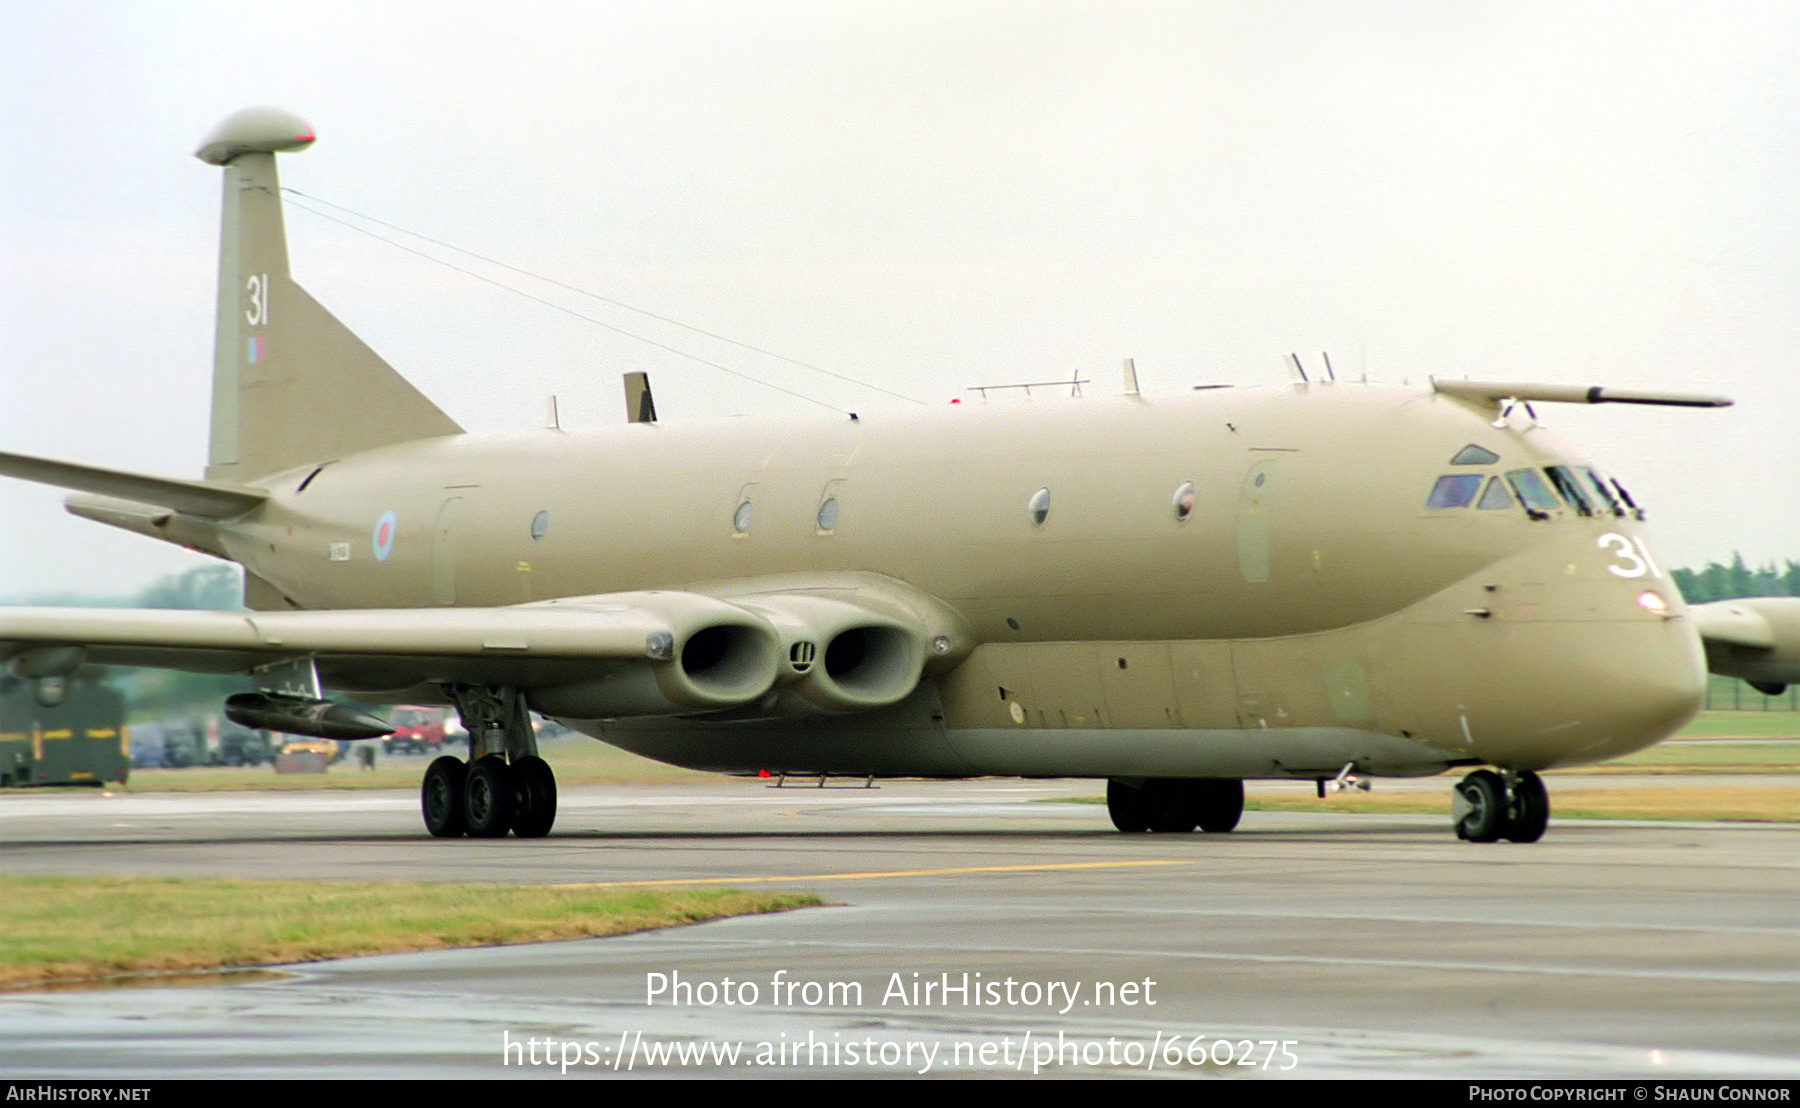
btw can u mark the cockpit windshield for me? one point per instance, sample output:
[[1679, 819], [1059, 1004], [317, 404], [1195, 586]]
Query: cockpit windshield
[[1566, 483], [1539, 491], [1529, 486]]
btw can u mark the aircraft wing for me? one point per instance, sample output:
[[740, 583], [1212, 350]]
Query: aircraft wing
[[844, 646], [1757, 639], [627, 653]]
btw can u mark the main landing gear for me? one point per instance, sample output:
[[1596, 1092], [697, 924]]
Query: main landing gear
[[1178, 804], [504, 786], [1487, 806]]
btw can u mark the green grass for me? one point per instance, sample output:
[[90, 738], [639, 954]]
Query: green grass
[[1703, 757], [1743, 725], [62, 929]]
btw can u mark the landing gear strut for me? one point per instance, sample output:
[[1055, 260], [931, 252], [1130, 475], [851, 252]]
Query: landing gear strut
[[504, 786], [1487, 807], [1175, 804]]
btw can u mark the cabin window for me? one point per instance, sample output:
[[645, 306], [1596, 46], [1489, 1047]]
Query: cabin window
[[740, 519], [1496, 496], [1184, 500], [1039, 506], [1472, 455], [1528, 485], [828, 513], [1456, 490], [540, 524]]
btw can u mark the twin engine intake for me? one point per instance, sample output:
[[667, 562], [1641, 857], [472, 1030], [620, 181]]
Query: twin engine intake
[[770, 654]]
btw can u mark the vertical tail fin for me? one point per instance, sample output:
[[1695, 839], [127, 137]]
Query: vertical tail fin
[[291, 384]]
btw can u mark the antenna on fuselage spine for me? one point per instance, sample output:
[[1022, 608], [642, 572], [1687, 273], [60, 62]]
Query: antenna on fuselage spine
[[640, 406]]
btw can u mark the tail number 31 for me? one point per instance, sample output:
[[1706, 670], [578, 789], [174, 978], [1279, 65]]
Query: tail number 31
[[257, 287]]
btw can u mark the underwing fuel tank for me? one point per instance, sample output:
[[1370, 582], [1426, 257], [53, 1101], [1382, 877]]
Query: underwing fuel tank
[[296, 715]]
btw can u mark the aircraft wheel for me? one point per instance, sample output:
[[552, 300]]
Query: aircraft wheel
[[1128, 806], [537, 797], [1219, 802], [1174, 806], [441, 796], [1479, 806], [1527, 809], [490, 797]]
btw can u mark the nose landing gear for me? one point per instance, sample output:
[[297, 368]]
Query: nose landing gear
[[1486, 807]]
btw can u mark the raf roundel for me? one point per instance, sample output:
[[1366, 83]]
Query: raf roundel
[[384, 536]]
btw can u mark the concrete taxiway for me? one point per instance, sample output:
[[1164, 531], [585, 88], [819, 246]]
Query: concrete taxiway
[[977, 930]]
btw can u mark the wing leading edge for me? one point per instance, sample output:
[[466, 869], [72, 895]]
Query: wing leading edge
[[600, 657]]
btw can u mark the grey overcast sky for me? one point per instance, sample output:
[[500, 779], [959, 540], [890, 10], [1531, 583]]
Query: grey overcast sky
[[926, 196]]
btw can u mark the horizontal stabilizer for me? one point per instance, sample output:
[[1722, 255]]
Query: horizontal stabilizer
[[206, 499], [1495, 393]]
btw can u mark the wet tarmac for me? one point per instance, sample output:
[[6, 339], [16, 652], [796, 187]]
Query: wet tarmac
[[976, 928]]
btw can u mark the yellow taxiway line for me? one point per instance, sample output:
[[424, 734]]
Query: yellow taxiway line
[[875, 873]]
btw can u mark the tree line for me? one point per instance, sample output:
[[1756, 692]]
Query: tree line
[[1730, 582]]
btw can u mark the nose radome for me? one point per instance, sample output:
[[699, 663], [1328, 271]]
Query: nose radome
[[1591, 691]]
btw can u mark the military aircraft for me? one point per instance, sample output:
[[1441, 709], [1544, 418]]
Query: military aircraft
[[1320, 581]]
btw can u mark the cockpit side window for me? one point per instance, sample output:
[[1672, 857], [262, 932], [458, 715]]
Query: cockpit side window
[[1456, 490], [1626, 497], [1603, 495], [1564, 479], [1528, 485]]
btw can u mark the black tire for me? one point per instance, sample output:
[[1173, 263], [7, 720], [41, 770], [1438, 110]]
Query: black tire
[[1219, 802], [1480, 807], [441, 796], [537, 797], [490, 797], [1173, 803], [1128, 807], [1527, 810]]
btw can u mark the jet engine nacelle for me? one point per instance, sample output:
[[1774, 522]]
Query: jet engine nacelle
[[702, 655], [840, 655], [1756, 639]]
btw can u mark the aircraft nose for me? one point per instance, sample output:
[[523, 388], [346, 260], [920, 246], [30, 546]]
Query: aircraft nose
[[1598, 690]]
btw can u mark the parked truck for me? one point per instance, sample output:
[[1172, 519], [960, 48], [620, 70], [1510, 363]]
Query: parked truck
[[80, 740]]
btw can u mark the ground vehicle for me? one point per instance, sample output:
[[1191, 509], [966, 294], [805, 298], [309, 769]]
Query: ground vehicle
[[79, 740], [416, 731]]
